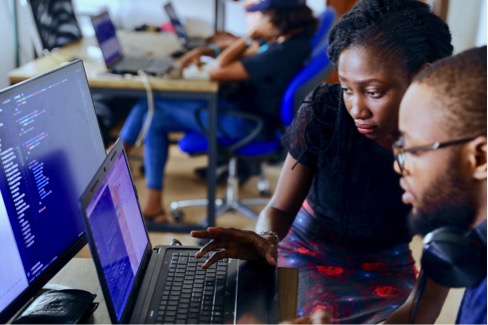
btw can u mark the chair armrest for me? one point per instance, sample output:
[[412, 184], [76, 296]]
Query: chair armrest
[[242, 142]]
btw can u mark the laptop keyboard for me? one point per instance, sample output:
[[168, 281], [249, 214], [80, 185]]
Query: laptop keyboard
[[193, 295], [150, 65]]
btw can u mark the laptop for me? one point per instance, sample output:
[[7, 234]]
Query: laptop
[[164, 284], [113, 55], [186, 41]]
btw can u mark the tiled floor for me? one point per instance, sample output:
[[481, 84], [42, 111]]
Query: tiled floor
[[182, 183]]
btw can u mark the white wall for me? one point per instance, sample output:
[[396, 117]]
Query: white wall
[[481, 37], [7, 40], [7, 50], [463, 18]]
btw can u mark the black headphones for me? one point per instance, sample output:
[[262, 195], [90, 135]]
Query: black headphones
[[455, 258]]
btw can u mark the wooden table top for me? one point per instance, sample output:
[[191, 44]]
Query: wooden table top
[[133, 43]]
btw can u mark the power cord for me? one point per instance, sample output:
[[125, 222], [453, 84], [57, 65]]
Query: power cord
[[175, 242], [150, 108], [418, 295]]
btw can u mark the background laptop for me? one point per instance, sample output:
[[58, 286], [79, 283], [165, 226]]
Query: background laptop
[[112, 53], [164, 284], [186, 41]]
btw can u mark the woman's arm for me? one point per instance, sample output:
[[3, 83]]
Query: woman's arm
[[291, 191], [229, 67], [292, 188]]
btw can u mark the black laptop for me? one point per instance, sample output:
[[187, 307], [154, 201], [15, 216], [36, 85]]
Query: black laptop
[[188, 42], [113, 55], [164, 284]]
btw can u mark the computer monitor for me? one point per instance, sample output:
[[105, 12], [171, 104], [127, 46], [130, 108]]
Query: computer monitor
[[55, 23], [50, 148]]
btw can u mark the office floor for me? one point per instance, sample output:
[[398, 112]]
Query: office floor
[[182, 183]]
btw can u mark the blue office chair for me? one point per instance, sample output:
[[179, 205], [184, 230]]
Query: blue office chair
[[314, 72], [326, 19]]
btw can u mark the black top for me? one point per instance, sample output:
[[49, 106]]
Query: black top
[[270, 73], [355, 192]]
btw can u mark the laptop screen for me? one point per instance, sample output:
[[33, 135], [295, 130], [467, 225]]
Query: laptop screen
[[117, 231], [176, 22], [107, 38]]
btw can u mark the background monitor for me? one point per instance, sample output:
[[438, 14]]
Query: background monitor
[[55, 23], [50, 148]]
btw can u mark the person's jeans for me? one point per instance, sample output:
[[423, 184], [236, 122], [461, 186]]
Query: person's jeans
[[175, 115]]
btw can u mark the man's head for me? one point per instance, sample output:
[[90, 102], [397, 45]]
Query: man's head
[[442, 152]]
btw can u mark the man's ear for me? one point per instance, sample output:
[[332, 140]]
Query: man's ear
[[478, 157]]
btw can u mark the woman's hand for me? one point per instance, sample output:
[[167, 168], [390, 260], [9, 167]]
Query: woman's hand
[[235, 243], [191, 57], [222, 39]]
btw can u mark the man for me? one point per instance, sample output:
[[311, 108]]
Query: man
[[441, 156]]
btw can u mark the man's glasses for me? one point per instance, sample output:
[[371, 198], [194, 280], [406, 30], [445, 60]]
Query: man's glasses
[[399, 149]]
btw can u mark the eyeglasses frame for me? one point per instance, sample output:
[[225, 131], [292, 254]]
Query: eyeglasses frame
[[400, 151]]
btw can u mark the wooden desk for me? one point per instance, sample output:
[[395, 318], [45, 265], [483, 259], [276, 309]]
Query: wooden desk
[[80, 273], [169, 86]]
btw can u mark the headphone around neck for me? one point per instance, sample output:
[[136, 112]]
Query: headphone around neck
[[455, 258]]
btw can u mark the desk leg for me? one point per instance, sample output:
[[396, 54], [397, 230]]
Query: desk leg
[[212, 160]]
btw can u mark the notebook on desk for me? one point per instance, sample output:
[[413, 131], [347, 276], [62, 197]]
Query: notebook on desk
[[164, 284], [186, 41], [113, 55]]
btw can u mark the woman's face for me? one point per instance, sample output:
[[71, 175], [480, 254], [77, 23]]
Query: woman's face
[[373, 87], [264, 29]]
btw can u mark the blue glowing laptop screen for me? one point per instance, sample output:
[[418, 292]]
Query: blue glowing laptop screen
[[118, 232]]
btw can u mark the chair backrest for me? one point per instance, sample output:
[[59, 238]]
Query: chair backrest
[[314, 72], [326, 19], [311, 75], [56, 23]]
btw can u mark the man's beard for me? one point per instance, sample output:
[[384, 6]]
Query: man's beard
[[446, 203]]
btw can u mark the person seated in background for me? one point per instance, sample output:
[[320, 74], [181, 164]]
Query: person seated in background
[[260, 79], [338, 204]]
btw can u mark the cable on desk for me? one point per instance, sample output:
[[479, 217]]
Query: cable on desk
[[150, 108]]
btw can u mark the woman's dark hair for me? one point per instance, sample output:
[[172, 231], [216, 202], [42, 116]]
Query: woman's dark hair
[[295, 19], [405, 30]]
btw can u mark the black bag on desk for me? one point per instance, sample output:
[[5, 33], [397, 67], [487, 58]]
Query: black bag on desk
[[69, 306]]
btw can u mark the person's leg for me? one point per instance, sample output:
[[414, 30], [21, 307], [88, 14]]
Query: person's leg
[[169, 116], [133, 124], [229, 126]]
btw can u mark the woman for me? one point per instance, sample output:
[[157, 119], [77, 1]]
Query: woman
[[261, 76], [338, 205]]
